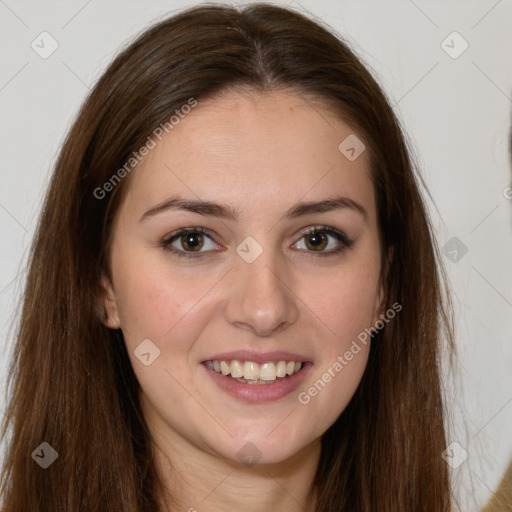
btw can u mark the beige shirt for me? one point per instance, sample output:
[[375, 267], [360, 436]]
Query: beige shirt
[[501, 500]]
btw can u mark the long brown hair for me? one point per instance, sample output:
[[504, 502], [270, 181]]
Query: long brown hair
[[71, 383]]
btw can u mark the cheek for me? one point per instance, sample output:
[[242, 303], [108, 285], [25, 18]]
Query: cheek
[[152, 300], [345, 301], [345, 313]]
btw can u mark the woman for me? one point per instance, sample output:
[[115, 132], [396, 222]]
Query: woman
[[234, 295]]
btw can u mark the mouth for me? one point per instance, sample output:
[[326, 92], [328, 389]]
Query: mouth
[[250, 381]]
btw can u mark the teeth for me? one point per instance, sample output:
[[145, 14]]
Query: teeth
[[224, 367], [253, 373], [281, 369], [251, 370], [268, 371], [236, 370]]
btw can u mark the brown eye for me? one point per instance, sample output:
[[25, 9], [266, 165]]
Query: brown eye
[[192, 241], [316, 241], [319, 238]]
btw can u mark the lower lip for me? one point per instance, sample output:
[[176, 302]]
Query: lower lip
[[257, 393]]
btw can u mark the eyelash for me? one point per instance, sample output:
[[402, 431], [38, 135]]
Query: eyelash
[[342, 238]]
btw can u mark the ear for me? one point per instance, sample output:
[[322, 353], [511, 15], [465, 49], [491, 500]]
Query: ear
[[382, 295], [108, 307]]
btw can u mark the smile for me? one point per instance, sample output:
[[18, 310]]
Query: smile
[[253, 373], [251, 382]]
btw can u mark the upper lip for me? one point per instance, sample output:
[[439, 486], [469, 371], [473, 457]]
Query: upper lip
[[258, 357]]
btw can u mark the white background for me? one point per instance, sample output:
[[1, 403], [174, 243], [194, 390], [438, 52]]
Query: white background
[[456, 111]]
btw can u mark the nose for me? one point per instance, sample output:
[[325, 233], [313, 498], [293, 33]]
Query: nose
[[261, 300]]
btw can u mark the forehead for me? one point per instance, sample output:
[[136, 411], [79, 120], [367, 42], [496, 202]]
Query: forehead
[[266, 149]]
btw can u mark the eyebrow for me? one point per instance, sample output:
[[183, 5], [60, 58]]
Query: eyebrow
[[224, 211]]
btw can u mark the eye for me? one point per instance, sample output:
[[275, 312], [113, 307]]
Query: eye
[[191, 240], [317, 240]]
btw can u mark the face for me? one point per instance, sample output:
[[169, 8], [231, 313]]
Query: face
[[257, 281]]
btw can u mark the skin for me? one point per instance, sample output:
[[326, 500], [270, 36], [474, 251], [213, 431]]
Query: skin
[[260, 153]]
